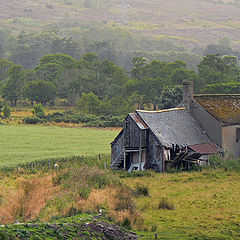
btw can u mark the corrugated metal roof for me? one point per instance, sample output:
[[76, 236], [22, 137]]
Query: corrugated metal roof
[[174, 127], [141, 124], [206, 148]]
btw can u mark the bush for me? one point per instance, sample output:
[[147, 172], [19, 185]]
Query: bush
[[142, 190], [32, 120], [6, 111], [38, 110], [125, 201], [217, 161], [126, 223], [164, 203]]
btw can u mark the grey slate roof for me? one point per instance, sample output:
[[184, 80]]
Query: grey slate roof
[[174, 127]]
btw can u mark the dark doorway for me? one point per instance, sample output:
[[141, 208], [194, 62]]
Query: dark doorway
[[129, 159]]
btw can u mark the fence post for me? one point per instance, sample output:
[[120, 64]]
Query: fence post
[[156, 237], [32, 166], [99, 157], [48, 164], [105, 165]]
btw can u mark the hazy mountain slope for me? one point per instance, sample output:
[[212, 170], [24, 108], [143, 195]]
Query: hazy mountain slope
[[191, 22]]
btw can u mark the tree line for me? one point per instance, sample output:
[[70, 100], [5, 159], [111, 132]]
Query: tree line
[[102, 87]]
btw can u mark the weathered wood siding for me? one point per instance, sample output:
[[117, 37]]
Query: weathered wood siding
[[131, 134], [154, 155], [117, 147]]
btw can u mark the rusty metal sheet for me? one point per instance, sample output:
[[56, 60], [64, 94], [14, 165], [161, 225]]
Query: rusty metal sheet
[[206, 148], [141, 124]]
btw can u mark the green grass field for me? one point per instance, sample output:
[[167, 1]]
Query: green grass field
[[22, 144], [206, 205]]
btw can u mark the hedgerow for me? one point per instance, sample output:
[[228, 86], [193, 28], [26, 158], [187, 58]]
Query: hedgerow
[[71, 117]]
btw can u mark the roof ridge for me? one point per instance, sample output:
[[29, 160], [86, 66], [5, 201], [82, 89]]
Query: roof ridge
[[160, 111]]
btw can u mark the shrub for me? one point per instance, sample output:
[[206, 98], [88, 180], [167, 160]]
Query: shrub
[[1, 106], [38, 110], [142, 190], [126, 223], [6, 111], [84, 192], [125, 201], [164, 203], [32, 120]]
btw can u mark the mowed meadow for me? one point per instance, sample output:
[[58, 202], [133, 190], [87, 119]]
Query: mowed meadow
[[21, 144]]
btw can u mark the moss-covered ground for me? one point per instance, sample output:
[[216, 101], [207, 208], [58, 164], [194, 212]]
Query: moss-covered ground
[[83, 226]]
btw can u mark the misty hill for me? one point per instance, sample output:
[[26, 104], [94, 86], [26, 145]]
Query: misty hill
[[191, 22]]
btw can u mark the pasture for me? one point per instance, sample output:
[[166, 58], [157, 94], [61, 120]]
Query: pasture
[[190, 205], [22, 144]]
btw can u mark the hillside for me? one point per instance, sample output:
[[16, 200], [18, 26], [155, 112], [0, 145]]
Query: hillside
[[191, 22]]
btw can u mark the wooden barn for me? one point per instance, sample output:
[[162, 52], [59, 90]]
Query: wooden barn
[[156, 139]]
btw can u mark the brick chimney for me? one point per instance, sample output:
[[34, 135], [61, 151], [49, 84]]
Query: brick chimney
[[187, 93]]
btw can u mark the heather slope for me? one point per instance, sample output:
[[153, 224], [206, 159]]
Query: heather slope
[[190, 22]]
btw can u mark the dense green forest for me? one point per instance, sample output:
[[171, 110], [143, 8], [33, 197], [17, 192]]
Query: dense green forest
[[101, 87], [111, 67]]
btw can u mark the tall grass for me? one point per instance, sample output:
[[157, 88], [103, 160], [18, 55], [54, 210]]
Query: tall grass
[[25, 201], [73, 188]]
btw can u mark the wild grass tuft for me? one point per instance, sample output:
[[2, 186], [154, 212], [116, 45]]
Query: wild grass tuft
[[165, 203], [142, 191]]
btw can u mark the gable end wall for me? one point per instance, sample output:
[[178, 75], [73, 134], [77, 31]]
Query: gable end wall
[[208, 123]]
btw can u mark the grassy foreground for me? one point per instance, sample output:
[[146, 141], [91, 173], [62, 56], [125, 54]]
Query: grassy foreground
[[189, 205], [22, 144]]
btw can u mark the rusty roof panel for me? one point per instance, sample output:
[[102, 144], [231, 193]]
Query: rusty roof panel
[[141, 124], [206, 148]]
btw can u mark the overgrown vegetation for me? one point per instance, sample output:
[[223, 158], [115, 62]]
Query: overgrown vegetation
[[170, 205], [75, 187]]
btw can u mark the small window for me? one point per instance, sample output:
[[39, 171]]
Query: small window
[[238, 134]]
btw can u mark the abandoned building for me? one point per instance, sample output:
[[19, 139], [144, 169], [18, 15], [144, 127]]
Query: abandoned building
[[200, 126]]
